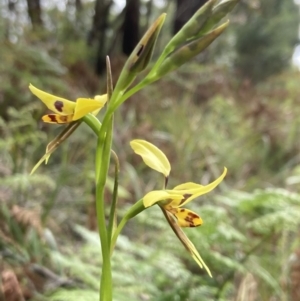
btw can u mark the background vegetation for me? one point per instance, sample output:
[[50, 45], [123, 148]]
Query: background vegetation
[[236, 105]]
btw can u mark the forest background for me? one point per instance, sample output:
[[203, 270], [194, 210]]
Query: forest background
[[235, 105]]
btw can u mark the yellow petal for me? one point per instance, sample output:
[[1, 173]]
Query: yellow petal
[[55, 118], [205, 189], [54, 103], [186, 218], [185, 241], [85, 106], [177, 202], [156, 196], [102, 99], [188, 186], [152, 156]]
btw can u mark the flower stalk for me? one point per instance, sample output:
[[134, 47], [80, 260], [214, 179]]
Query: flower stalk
[[193, 38]]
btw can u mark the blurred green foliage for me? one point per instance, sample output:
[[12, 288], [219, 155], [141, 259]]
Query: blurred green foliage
[[265, 40]]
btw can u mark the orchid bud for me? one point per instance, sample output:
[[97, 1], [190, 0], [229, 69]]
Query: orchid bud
[[193, 26], [188, 51], [141, 55]]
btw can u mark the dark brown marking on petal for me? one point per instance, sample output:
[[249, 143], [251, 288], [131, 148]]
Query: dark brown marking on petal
[[140, 50], [185, 197], [166, 182], [52, 117], [182, 210], [59, 105], [182, 201], [190, 217]]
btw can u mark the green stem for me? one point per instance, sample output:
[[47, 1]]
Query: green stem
[[102, 163], [117, 232], [118, 97], [132, 212], [112, 216], [93, 122], [168, 49], [102, 131], [106, 277], [101, 170], [149, 79], [103, 152]]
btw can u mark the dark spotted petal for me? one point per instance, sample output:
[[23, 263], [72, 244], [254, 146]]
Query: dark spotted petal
[[54, 103]]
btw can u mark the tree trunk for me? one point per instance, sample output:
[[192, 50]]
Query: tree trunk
[[35, 12], [78, 5], [98, 32], [131, 26], [184, 11]]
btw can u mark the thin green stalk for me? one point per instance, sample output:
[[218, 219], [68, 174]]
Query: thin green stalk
[[106, 277], [103, 129], [145, 82], [164, 54], [149, 79], [117, 232], [102, 164], [132, 212], [118, 97], [93, 122], [112, 215]]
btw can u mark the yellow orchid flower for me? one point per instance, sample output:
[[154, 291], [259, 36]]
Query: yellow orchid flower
[[171, 201], [66, 110]]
